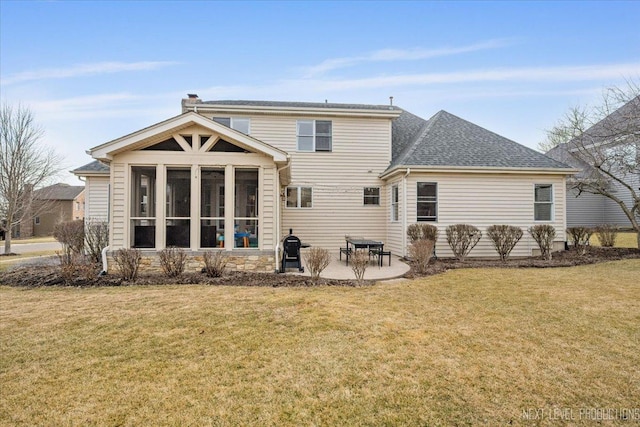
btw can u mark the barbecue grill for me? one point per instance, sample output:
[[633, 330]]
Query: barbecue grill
[[291, 254]]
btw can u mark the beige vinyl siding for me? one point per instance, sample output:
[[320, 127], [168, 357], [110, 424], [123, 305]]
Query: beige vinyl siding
[[97, 197], [360, 152], [268, 200], [394, 240], [118, 225], [486, 199]]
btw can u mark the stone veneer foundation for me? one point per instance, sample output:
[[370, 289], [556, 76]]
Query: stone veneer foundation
[[255, 261]]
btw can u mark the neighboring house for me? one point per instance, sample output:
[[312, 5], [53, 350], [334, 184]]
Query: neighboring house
[[255, 169], [52, 205], [587, 209]]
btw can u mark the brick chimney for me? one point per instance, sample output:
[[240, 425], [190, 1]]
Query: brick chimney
[[191, 99]]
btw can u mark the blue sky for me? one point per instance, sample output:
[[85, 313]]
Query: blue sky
[[95, 71]]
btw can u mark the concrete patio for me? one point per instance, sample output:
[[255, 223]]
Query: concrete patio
[[338, 269]]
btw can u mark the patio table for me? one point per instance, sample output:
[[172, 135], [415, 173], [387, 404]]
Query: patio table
[[358, 243]]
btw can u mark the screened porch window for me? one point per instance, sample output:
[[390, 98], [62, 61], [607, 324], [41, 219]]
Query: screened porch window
[[246, 208], [212, 208], [143, 207], [178, 207]]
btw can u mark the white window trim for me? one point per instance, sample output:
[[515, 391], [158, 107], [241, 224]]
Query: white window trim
[[364, 197], [313, 135], [552, 203], [427, 201], [395, 203], [299, 197]]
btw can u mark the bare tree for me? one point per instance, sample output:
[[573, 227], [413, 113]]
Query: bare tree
[[25, 164], [604, 142]]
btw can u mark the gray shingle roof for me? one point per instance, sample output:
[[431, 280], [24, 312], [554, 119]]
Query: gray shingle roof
[[304, 105], [94, 166], [447, 140], [58, 192]]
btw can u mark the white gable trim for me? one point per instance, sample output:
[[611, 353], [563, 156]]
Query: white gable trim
[[107, 150]]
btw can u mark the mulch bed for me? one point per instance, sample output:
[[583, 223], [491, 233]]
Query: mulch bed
[[37, 276]]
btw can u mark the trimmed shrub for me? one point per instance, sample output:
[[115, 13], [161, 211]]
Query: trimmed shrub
[[462, 238], [214, 263], [359, 260], [422, 232], [71, 235], [607, 235], [317, 259], [96, 237], [420, 252], [128, 262], [504, 238], [580, 238], [173, 261], [543, 234]]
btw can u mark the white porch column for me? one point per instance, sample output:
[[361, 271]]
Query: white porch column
[[194, 217], [161, 203], [229, 207]]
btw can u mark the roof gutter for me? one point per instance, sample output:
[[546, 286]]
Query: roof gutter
[[477, 169], [391, 113]]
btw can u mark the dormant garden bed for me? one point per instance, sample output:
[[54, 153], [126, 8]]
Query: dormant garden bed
[[51, 276]]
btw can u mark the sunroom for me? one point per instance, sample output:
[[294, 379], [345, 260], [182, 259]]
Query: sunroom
[[193, 183]]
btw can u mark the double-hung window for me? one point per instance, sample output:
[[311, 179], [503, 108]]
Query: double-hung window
[[241, 124], [395, 203], [427, 201], [371, 196], [299, 197], [543, 202], [314, 135]]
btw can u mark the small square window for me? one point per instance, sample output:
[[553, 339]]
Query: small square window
[[299, 197], [371, 196]]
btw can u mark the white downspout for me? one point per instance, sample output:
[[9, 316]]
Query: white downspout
[[404, 213], [278, 203], [104, 261]]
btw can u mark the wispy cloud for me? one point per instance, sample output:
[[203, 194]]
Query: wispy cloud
[[524, 74], [80, 70], [388, 55]]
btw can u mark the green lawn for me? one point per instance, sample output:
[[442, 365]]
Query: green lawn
[[468, 347]]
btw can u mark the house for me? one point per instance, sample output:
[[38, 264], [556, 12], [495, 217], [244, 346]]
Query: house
[[588, 209], [238, 175], [51, 205]]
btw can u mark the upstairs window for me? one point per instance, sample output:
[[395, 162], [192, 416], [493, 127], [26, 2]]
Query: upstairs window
[[240, 124], [371, 196], [427, 202], [543, 202], [314, 135]]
